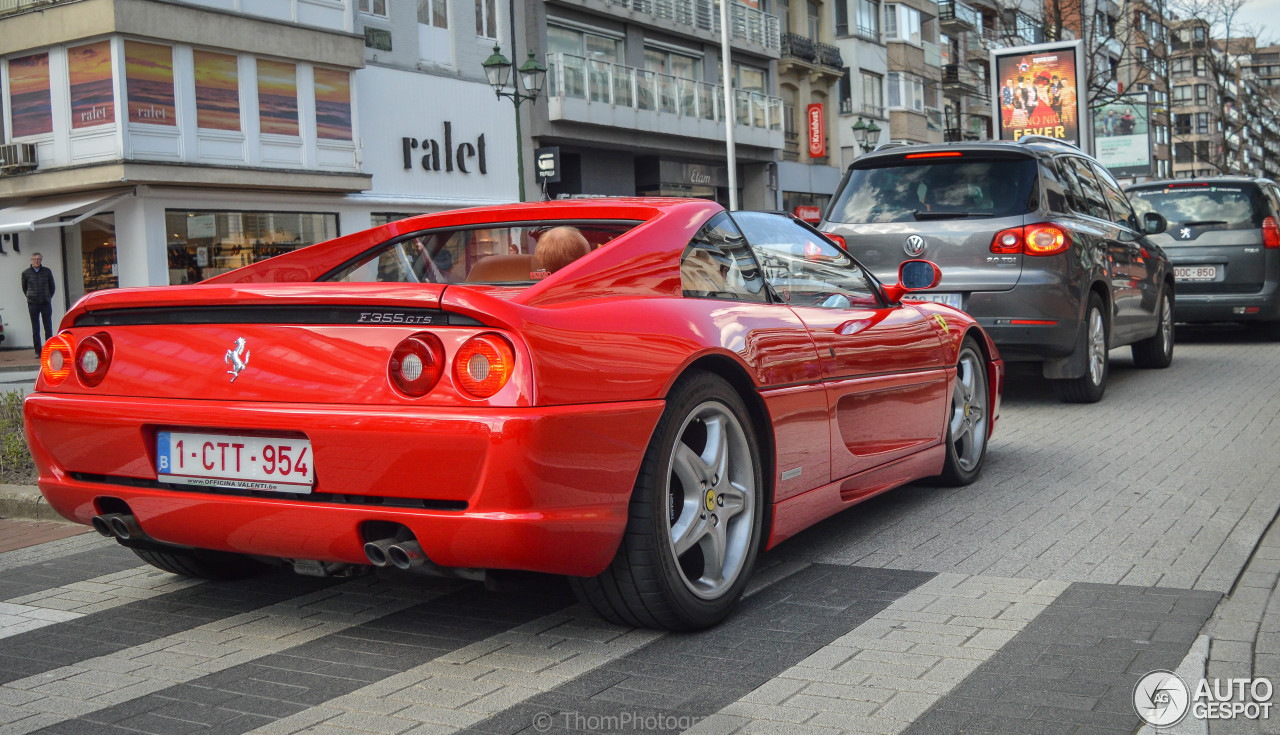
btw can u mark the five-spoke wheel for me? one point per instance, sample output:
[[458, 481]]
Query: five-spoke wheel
[[967, 425]]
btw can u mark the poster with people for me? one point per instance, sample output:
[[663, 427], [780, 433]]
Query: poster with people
[[1037, 91], [1121, 136]]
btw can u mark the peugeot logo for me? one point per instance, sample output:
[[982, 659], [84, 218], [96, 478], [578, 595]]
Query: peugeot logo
[[914, 246], [237, 358], [1185, 233]]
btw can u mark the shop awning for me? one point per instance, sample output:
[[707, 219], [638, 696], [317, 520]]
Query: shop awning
[[48, 212]]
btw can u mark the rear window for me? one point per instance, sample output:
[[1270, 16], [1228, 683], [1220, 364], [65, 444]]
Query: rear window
[[936, 189], [1227, 207], [516, 254]]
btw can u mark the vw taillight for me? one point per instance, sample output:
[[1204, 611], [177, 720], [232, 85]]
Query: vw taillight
[[1045, 240], [484, 364], [416, 364], [93, 357], [56, 359], [1270, 233], [837, 239], [1007, 242]]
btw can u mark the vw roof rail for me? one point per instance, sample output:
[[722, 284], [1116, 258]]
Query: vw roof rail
[[1045, 139]]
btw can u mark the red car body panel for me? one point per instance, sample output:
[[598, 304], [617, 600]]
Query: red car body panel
[[537, 476]]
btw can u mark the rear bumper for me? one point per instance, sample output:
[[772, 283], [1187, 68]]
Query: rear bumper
[[1032, 321], [545, 489], [1265, 306]]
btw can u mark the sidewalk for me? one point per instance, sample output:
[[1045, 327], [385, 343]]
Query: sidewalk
[[18, 360], [26, 519]]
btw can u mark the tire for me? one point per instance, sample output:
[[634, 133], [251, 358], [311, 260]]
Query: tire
[[648, 584], [201, 563], [1088, 388], [1156, 351], [967, 424]]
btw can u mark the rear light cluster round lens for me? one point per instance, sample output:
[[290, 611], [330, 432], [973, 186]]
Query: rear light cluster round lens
[[417, 364], [484, 364], [93, 357], [56, 359], [1041, 239]]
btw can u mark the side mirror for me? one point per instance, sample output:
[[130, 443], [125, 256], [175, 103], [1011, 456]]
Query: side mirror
[[913, 275], [1153, 223]]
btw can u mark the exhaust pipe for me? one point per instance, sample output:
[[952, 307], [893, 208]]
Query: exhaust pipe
[[125, 527], [102, 524], [376, 551], [406, 555]]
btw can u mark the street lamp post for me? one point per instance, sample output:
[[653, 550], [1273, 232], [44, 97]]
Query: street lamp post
[[530, 75], [866, 134]]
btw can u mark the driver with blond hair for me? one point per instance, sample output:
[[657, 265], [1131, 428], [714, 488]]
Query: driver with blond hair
[[559, 247]]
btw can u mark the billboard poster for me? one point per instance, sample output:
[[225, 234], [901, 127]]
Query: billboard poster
[[277, 97], [92, 94], [148, 71], [1036, 91], [1121, 136], [217, 91], [333, 104], [30, 108]]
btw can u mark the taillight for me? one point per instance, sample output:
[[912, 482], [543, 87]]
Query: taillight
[[1045, 240], [1007, 242], [56, 359], [416, 364], [93, 357], [837, 239], [484, 364], [1270, 233]]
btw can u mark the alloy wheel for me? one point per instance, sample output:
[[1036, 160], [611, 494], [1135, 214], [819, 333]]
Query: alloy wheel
[[969, 411]]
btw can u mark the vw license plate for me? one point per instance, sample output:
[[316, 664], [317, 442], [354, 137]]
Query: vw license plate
[[1195, 273], [950, 299], [234, 461]]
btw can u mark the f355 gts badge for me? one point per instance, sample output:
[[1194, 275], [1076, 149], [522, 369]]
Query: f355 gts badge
[[237, 358]]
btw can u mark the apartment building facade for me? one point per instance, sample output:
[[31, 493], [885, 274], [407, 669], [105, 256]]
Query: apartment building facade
[[157, 142]]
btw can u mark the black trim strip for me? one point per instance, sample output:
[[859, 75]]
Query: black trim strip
[[264, 314], [367, 501]]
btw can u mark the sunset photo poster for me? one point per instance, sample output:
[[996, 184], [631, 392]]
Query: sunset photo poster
[[217, 91], [333, 104], [149, 78], [277, 97], [92, 94], [29, 103]]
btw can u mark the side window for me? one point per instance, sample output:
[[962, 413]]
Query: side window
[[803, 268], [1071, 186], [718, 264], [1093, 201], [1273, 197], [1055, 197], [1121, 212]]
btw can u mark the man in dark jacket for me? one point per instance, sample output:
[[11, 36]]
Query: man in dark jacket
[[37, 284]]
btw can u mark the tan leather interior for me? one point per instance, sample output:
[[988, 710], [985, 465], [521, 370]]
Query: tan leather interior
[[498, 268]]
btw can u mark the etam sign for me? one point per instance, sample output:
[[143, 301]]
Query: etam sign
[[445, 154]]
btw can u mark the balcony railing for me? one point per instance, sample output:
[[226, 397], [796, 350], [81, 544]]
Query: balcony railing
[[746, 23], [829, 55], [954, 15], [932, 53], [639, 89], [874, 111], [959, 78], [800, 47], [8, 7]]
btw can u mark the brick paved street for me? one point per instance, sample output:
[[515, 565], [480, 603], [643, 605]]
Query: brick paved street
[[1102, 542]]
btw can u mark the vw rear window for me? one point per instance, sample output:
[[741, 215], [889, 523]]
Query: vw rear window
[[1226, 207], [938, 189]]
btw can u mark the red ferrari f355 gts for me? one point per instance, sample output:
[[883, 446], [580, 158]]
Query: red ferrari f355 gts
[[694, 387]]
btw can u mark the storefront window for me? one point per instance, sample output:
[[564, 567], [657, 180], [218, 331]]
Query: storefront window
[[206, 244], [89, 256], [378, 219]]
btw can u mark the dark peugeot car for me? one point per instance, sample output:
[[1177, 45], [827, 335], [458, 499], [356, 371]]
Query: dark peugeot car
[[1035, 240], [1225, 246]]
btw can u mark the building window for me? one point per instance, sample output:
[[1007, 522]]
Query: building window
[[906, 91], [1202, 123], [277, 97], [576, 49], [1181, 68], [845, 93], [217, 91], [872, 94], [842, 17], [434, 41], [901, 23], [92, 95], [89, 256], [149, 80], [206, 244], [1182, 124], [868, 19], [813, 18], [373, 7], [487, 18], [1182, 94], [1202, 94], [333, 104], [29, 103], [783, 9]]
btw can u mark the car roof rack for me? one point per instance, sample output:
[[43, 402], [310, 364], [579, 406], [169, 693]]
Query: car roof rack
[[893, 144], [1045, 139]]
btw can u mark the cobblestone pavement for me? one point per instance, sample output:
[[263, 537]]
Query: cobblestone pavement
[[1101, 543]]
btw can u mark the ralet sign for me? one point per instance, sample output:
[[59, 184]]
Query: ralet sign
[[438, 153], [817, 139]]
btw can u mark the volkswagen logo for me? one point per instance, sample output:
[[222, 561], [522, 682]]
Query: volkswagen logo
[[914, 246]]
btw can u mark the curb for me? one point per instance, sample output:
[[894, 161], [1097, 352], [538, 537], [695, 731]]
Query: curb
[[24, 502]]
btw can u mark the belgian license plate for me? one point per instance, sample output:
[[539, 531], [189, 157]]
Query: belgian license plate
[[1195, 273], [950, 299], [234, 461]]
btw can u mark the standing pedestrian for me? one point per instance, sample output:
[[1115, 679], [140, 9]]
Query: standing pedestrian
[[37, 284]]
